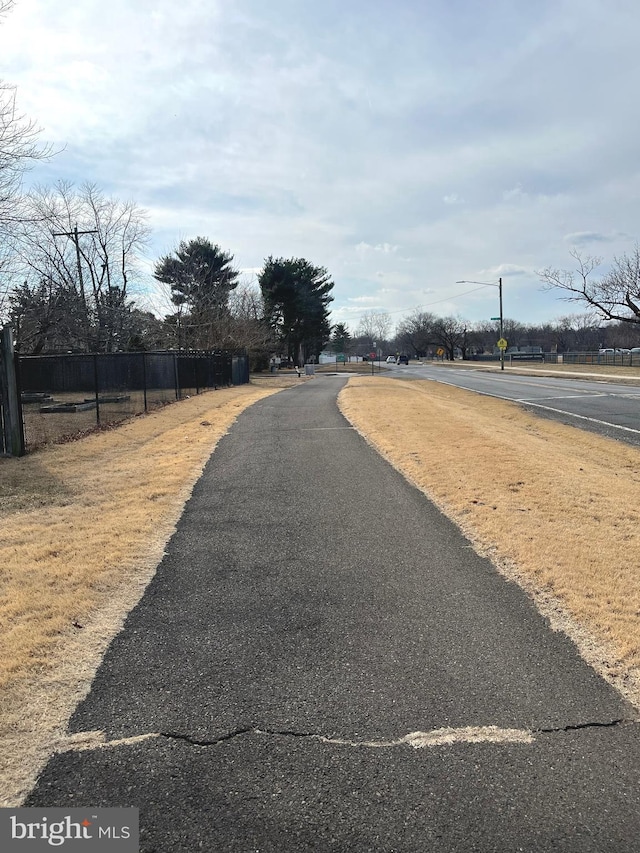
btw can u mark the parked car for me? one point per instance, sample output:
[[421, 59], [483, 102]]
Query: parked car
[[403, 359]]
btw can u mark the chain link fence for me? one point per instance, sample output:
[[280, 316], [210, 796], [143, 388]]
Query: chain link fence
[[65, 396]]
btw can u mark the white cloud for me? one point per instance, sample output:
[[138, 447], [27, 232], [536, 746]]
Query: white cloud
[[514, 194], [337, 131], [385, 248], [504, 270]]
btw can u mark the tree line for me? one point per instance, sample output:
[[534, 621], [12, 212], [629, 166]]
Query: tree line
[[74, 267], [422, 334]]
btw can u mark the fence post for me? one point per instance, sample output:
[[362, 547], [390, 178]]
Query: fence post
[[176, 375], [144, 379], [97, 387], [12, 408]]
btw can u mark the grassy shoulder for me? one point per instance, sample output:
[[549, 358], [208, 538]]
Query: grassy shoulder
[[554, 507], [82, 529]]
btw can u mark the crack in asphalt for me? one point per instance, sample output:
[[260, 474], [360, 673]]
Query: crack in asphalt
[[591, 725], [213, 742], [418, 740]]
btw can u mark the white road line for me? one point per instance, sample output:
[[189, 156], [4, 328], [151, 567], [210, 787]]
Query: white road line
[[580, 417], [517, 381], [513, 379], [574, 396], [477, 391], [524, 402]]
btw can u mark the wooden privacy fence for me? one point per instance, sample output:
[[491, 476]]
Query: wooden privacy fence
[[58, 397]]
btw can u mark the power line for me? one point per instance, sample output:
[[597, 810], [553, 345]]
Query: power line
[[416, 307]]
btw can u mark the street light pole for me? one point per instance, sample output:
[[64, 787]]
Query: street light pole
[[499, 286], [501, 328]]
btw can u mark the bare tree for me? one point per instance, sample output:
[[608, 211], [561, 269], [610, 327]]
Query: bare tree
[[615, 296], [577, 332], [6, 267], [77, 252], [242, 326], [451, 334], [415, 334], [19, 147], [19, 150], [375, 326]]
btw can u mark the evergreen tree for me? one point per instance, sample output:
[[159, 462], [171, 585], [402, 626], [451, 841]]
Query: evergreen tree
[[296, 297], [341, 338], [200, 276]]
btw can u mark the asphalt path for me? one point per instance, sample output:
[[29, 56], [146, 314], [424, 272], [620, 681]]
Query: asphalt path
[[315, 631], [605, 406]]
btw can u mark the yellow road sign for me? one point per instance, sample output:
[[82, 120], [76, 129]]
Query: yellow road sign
[[502, 344]]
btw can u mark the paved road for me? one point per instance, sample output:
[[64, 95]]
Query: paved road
[[312, 611], [604, 406]]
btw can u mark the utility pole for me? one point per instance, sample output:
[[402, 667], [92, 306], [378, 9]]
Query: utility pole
[[74, 235]]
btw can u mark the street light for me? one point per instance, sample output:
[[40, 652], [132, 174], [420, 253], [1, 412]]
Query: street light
[[499, 286]]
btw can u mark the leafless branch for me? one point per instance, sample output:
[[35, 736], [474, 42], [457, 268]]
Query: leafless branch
[[615, 296]]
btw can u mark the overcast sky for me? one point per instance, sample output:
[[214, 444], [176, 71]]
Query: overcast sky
[[401, 144]]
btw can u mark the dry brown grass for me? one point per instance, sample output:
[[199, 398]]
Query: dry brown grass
[[555, 507], [83, 526]]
